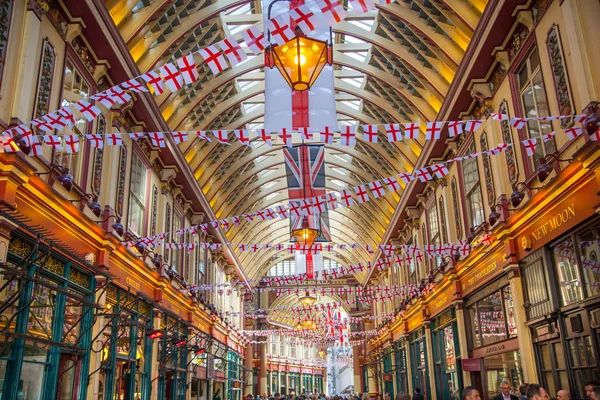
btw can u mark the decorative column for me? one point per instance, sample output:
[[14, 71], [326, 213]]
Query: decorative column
[[524, 337], [155, 356], [262, 370], [248, 388], [357, 370], [461, 325], [409, 370], [430, 364], [96, 354]]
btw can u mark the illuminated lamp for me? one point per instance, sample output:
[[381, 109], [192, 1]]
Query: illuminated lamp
[[543, 171], [156, 334], [322, 353], [307, 300], [298, 326], [305, 234], [300, 61], [180, 342], [199, 350]]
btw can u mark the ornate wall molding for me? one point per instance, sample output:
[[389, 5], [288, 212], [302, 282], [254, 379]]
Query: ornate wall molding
[[511, 162], [454, 189], [98, 158], [120, 203], [487, 170], [560, 77], [6, 8], [46, 74]]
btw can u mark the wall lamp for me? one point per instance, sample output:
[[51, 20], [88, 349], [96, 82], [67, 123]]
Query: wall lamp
[[92, 203], [495, 215], [518, 194], [117, 226], [61, 174], [545, 168]]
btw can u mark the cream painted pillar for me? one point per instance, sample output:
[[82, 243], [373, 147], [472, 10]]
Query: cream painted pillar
[[430, 364], [523, 332], [585, 81], [462, 339], [248, 364], [357, 369], [409, 376], [154, 369], [262, 370]]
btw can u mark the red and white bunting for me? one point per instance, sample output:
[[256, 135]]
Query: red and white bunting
[[96, 141], [114, 139], [327, 135], [214, 58], [232, 50], [411, 130], [573, 132], [440, 170], [203, 135], [455, 128], [371, 133], [55, 121], [134, 86], [285, 134], [280, 30], [499, 117], [71, 143], [391, 183], [157, 139], [595, 136], [331, 200], [319, 205], [282, 211], [304, 18], [346, 198], [87, 109], [154, 80], [406, 177], [255, 40], [577, 118], [180, 137], [518, 123], [53, 141], [472, 125], [36, 147], [222, 136], [348, 135], [361, 7], [119, 95], [188, 68], [105, 99], [433, 130], [548, 136], [265, 136], [67, 116], [242, 136], [332, 10], [377, 189], [137, 135], [394, 132], [423, 174], [361, 193], [305, 133], [23, 132], [172, 77], [8, 143], [530, 145]]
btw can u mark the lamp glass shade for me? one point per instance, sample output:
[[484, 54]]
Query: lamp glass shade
[[305, 235], [300, 61], [307, 300]]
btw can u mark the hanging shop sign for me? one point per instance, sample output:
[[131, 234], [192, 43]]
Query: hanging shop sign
[[558, 219], [415, 321], [387, 377], [210, 366], [471, 364], [496, 348]]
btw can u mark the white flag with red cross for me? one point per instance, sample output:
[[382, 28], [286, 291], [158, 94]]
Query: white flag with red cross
[[154, 80], [187, 66], [255, 40], [214, 58], [305, 18], [172, 77], [530, 146], [232, 50], [87, 109], [280, 29], [333, 10], [361, 7]]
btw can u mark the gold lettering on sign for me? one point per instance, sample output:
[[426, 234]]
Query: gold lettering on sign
[[439, 303], [555, 222], [483, 273], [132, 283]]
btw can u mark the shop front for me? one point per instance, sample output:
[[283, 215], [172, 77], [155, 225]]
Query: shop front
[[446, 355], [387, 379], [400, 367], [418, 360], [172, 358], [558, 259], [494, 354]]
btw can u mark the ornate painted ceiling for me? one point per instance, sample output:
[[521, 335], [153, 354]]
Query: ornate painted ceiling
[[394, 64]]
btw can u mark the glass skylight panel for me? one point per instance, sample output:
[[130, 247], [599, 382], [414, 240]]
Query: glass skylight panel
[[356, 82], [360, 56], [339, 170], [265, 172], [234, 29], [352, 104], [338, 183], [353, 39], [270, 184], [366, 24], [343, 157], [248, 108], [243, 10], [275, 194]]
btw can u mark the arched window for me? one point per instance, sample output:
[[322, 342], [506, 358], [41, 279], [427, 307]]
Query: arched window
[[283, 268]]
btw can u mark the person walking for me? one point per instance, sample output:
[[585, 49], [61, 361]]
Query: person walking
[[418, 395], [470, 393], [505, 393]]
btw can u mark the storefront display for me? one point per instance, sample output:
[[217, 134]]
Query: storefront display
[[400, 366], [418, 357], [446, 356]]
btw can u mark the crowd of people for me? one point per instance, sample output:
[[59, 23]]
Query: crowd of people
[[527, 391]]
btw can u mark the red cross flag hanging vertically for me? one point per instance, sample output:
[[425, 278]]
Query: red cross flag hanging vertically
[[305, 170]]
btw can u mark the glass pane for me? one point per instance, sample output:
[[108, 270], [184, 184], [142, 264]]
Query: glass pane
[[523, 76], [449, 349], [560, 356], [67, 377], [41, 312], [72, 321], [573, 353], [510, 312], [534, 60], [491, 318], [549, 381], [502, 367], [589, 349], [589, 249], [568, 273], [545, 354], [563, 379], [136, 216], [474, 326]]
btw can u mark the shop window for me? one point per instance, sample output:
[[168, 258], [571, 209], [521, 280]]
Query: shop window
[[502, 367], [553, 366], [534, 281], [201, 263], [567, 270], [533, 99], [176, 258], [434, 231], [76, 86], [137, 195], [492, 319], [472, 185], [283, 268], [589, 246], [582, 361], [412, 265]]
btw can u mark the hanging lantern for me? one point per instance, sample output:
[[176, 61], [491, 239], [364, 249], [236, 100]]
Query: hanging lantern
[[300, 60], [307, 300], [305, 234]]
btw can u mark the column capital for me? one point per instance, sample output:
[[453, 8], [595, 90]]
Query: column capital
[[513, 270]]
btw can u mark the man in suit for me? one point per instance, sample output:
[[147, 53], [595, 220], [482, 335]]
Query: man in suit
[[417, 395], [470, 393], [505, 393]]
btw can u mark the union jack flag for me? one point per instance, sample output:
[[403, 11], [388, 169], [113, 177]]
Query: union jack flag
[[305, 167]]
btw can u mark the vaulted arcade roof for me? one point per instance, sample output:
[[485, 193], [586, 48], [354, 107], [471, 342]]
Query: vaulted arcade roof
[[393, 64]]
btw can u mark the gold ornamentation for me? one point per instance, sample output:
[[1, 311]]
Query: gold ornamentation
[[19, 247], [53, 265], [79, 278], [111, 292]]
